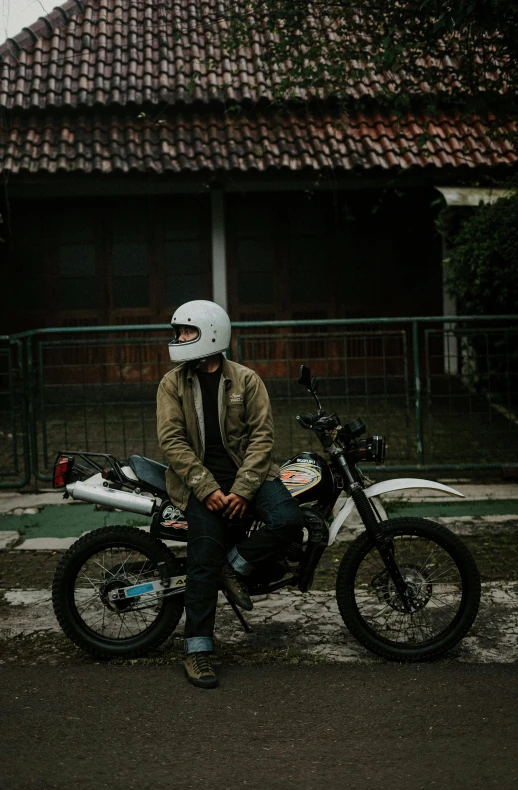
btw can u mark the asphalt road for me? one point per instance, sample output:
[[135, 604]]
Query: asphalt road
[[383, 726]]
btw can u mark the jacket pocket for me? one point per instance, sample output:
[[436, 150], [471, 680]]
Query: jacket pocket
[[235, 424]]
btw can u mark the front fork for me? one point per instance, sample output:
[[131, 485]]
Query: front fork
[[375, 531], [384, 546]]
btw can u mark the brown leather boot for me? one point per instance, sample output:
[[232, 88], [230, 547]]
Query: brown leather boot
[[199, 670], [236, 588]]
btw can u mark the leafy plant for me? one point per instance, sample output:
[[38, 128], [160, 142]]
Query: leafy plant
[[483, 276], [483, 265], [463, 52]]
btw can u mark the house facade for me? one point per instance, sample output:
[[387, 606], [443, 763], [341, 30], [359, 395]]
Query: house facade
[[143, 166]]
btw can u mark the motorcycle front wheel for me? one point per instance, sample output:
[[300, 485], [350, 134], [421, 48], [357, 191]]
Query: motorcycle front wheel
[[442, 599], [100, 562]]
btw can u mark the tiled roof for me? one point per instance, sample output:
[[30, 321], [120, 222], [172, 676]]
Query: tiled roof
[[104, 86], [127, 51], [116, 52], [189, 142]]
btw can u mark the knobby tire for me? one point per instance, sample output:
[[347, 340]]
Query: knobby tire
[[461, 622], [63, 588]]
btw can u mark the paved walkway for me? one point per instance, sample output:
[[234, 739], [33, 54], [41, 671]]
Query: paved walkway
[[309, 623], [46, 521]]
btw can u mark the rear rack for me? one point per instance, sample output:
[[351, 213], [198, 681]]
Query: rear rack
[[94, 463]]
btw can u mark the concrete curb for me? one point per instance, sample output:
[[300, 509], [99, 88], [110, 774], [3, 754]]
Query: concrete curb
[[462, 525], [13, 500], [62, 544], [10, 501], [9, 539]]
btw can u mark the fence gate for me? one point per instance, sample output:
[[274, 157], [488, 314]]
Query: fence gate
[[95, 391], [471, 395]]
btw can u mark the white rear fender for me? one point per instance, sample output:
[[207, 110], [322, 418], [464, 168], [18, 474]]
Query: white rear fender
[[383, 488]]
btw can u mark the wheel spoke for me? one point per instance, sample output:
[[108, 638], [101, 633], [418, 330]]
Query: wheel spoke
[[436, 575], [88, 604], [93, 583], [111, 568], [434, 591]]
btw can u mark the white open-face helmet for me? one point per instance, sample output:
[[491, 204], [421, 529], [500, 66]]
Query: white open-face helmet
[[213, 325]]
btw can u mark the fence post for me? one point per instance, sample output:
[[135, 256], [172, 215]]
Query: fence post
[[33, 429], [417, 388], [26, 439], [18, 362]]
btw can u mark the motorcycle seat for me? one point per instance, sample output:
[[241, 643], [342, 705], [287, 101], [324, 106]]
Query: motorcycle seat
[[150, 472]]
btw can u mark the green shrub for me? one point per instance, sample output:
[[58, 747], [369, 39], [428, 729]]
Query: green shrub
[[483, 265]]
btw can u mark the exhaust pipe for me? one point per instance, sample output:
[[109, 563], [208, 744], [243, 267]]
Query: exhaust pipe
[[122, 500]]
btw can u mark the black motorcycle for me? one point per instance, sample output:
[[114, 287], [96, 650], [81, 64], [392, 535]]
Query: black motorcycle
[[407, 588]]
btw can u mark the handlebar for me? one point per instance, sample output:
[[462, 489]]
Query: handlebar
[[318, 422], [306, 420]]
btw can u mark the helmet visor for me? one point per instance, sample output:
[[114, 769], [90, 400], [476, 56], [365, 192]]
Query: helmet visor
[[183, 333]]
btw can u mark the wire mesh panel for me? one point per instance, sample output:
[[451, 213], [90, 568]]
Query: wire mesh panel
[[362, 374], [98, 393], [14, 460], [471, 405]]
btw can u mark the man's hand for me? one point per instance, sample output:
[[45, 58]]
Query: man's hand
[[216, 501], [236, 506]]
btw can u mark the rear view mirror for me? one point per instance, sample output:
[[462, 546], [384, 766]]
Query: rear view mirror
[[311, 384], [305, 377]]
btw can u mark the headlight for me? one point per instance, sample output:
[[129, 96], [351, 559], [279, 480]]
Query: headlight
[[370, 449]]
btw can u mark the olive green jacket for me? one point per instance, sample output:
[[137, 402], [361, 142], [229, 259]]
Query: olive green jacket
[[246, 422]]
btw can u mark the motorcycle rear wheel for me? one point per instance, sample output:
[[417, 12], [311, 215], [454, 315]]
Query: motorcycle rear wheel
[[443, 581], [106, 559]]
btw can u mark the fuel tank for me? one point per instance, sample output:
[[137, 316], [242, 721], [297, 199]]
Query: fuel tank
[[307, 476]]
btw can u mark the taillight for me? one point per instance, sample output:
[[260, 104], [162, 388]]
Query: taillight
[[61, 468]]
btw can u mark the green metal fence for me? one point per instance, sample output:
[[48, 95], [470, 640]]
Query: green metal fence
[[95, 390], [443, 389], [362, 373]]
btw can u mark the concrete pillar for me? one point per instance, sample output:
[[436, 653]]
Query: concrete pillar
[[219, 250], [449, 307]]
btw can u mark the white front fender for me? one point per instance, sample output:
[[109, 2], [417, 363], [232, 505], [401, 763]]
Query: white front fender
[[383, 488]]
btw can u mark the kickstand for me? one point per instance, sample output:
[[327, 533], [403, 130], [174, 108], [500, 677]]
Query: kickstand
[[244, 624]]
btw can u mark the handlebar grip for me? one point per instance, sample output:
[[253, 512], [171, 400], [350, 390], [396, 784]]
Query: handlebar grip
[[306, 420]]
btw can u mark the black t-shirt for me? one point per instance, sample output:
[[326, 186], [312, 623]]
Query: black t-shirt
[[216, 460]]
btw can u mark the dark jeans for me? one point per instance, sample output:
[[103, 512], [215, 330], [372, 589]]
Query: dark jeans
[[209, 541]]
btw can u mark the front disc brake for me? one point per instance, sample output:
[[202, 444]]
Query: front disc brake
[[419, 589]]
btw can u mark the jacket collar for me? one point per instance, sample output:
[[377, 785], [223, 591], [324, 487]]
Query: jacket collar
[[225, 370]]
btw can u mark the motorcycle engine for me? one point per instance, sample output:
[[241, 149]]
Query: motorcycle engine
[[267, 572], [275, 568]]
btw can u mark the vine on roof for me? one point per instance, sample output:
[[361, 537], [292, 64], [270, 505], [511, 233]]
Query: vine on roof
[[424, 54]]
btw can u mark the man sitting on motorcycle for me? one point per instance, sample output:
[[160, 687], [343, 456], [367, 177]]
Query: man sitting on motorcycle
[[215, 428]]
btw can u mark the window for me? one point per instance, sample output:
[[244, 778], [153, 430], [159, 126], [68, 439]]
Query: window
[[130, 258], [183, 255], [27, 277], [77, 282], [78, 287], [308, 252], [255, 253]]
